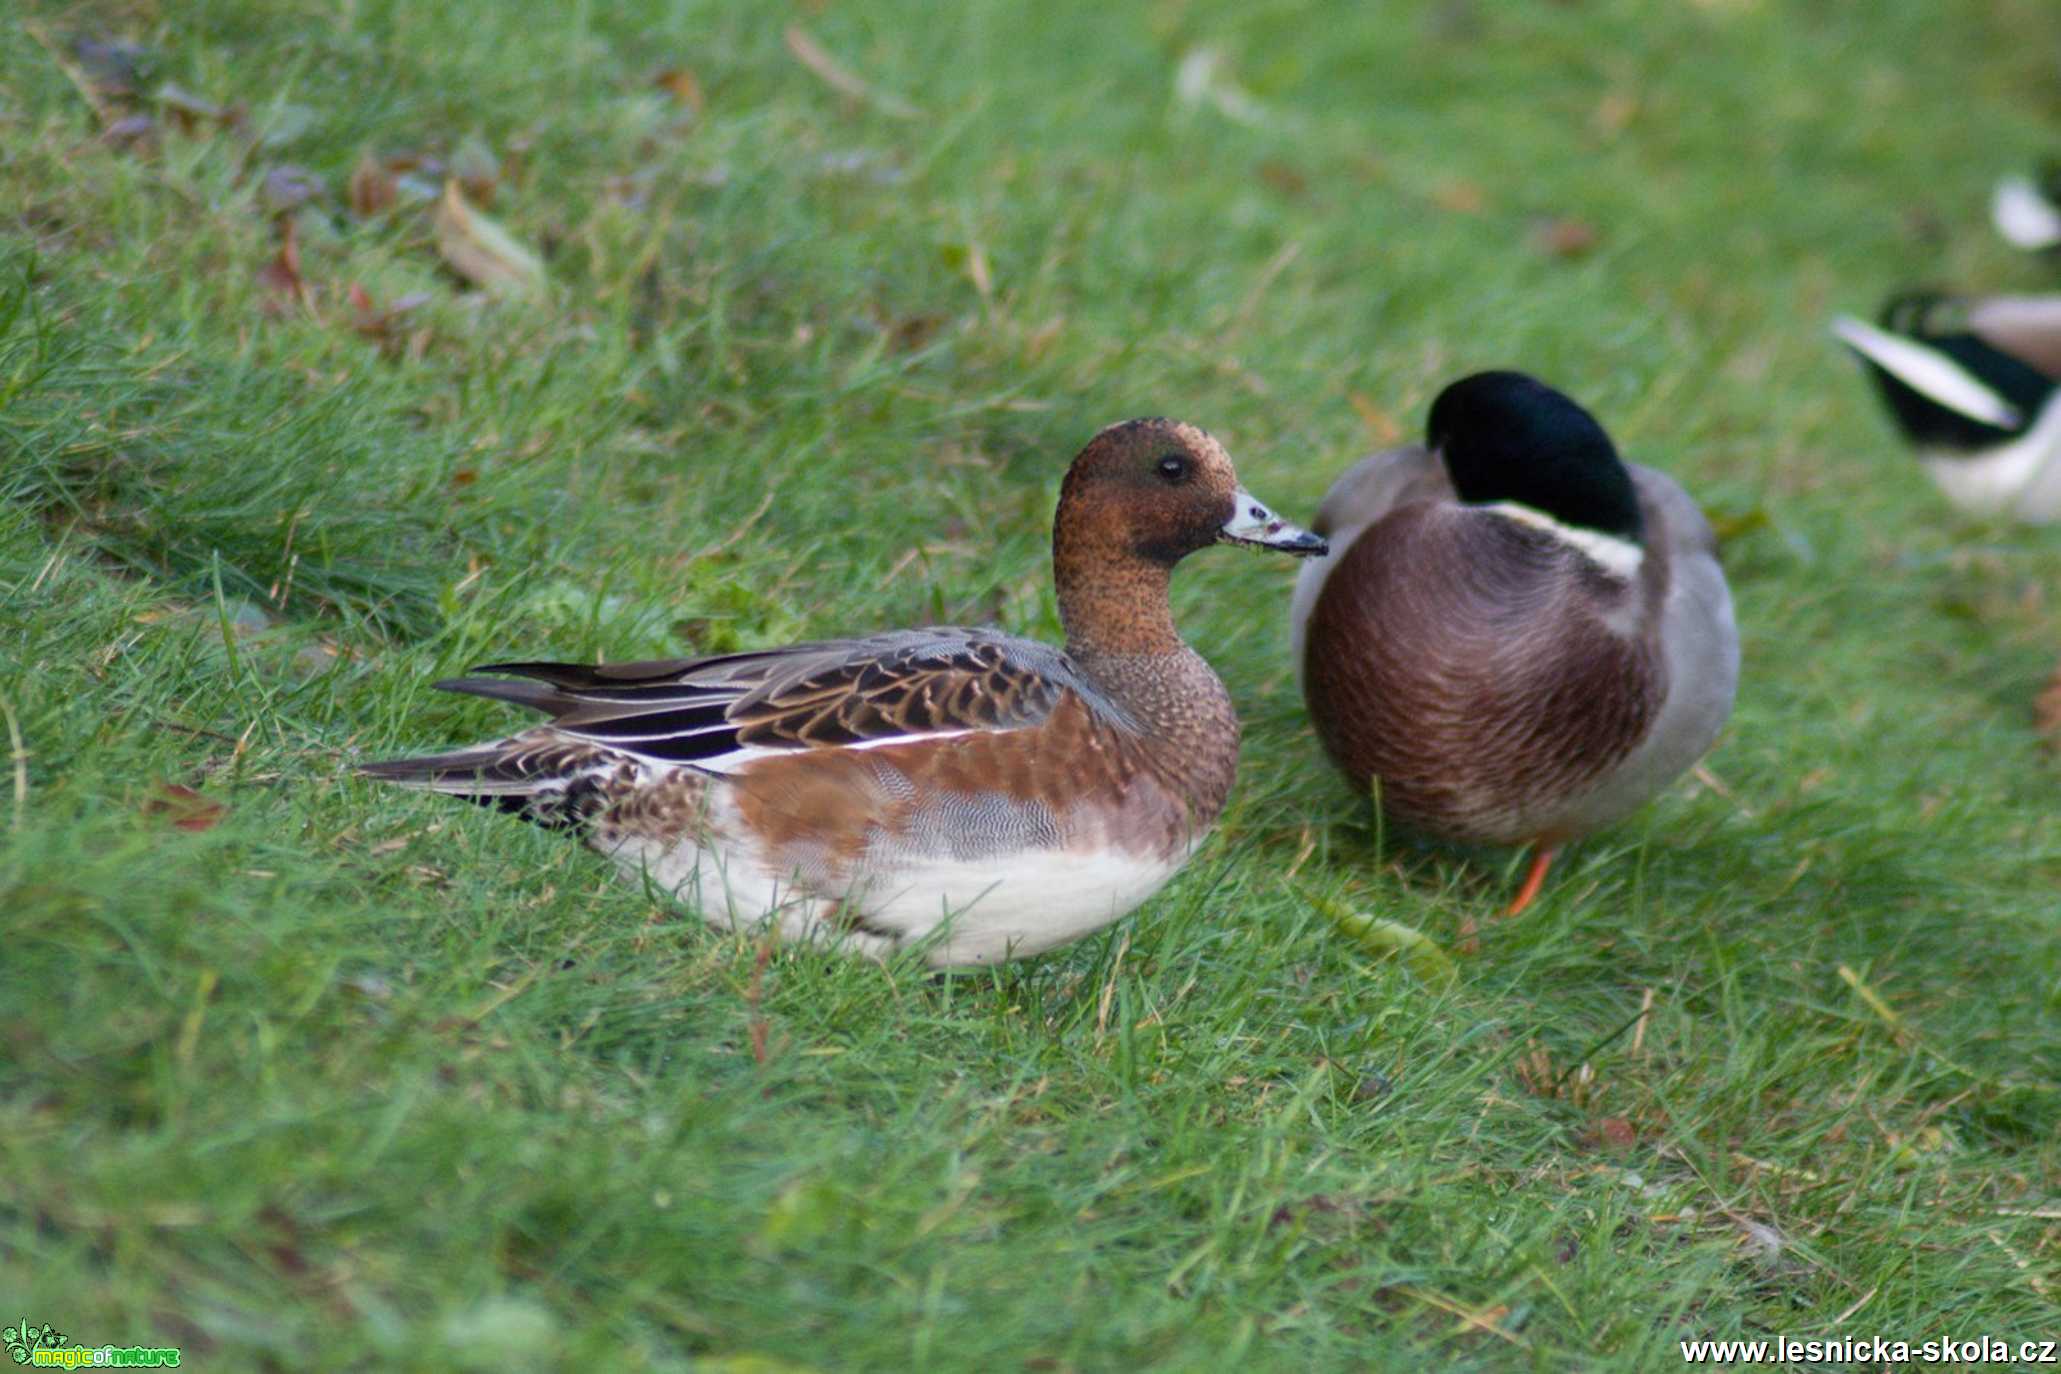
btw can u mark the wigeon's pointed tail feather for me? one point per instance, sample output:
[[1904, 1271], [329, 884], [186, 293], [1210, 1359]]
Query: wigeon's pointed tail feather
[[464, 772], [555, 784], [537, 696]]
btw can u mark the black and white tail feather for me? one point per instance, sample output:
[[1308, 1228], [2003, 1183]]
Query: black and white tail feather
[[1946, 386], [1984, 419]]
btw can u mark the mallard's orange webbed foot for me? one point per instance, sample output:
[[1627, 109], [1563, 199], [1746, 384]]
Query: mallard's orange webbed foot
[[1534, 878]]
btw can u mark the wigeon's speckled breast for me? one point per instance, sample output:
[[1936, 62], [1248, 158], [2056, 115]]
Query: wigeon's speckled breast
[[1521, 637], [977, 795]]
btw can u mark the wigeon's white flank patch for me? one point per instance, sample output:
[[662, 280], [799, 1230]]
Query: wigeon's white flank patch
[[2023, 216], [1929, 372], [986, 911], [736, 759], [2020, 478], [1621, 558], [979, 911]]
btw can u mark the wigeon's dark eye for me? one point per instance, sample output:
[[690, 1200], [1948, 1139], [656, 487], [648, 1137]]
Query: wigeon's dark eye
[[1174, 468]]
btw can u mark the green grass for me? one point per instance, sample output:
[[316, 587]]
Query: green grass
[[354, 1079]]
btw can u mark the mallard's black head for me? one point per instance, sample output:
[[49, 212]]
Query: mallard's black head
[[1505, 436]]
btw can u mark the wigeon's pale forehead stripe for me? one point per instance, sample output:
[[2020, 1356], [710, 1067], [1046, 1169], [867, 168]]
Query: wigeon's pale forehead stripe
[[1192, 437], [1201, 440]]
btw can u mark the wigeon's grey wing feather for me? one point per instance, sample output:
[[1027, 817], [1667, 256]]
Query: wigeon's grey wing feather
[[713, 713]]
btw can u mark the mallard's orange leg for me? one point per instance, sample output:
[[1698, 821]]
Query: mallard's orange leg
[[1534, 878]]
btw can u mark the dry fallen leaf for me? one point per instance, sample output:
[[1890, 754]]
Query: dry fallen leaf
[[113, 66], [131, 131], [380, 324], [682, 86], [184, 807], [288, 187], [835, 75], [1459, 195], [371, 190], [1283, 178], [481, 251], [2046, 711], [1563, 236], [190, 112], [1613, 112], [282, 275], [1616, 1132]]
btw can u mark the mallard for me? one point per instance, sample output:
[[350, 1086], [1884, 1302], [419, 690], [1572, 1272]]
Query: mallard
[[963, 791], [1516, 638], [2027, 210], [1971, 383]]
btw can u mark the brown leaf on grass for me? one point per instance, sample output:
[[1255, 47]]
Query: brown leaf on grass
[[1563, 236], [481, 251], [382, 325], [288, 187], [192, 114], [104, 73], [1283, 178], [839, 78], [1613, 112], [113, 66], [2046, 711], [682, 86], [131, 131], [371, 190], [282, 276], [1460, 196], [184, 807], [1616, 1133]]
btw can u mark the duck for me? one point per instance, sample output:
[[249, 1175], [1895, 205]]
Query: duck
[[1972, 382], [1516, 638], [2026, 210], [964, 793]]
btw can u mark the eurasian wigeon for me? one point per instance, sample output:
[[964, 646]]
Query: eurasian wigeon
[[977, 795], [1520, 637]]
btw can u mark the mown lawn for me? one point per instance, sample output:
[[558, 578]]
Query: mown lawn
[[302, 1073]]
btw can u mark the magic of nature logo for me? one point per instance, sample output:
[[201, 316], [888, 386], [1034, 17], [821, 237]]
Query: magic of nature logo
[[23, 1338], [47, 1347]]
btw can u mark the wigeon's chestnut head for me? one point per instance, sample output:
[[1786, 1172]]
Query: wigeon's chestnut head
[[964, 792], [1516, 638]]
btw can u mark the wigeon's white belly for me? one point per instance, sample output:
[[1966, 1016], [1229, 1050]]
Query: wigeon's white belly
[[986, 911], [965, 912]]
